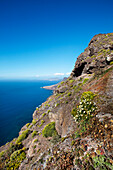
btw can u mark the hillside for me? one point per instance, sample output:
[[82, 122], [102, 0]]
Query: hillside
[[73, 128]]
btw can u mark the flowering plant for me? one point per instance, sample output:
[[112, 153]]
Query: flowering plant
[[86, 108]]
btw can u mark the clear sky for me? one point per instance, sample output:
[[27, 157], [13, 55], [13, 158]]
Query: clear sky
[[44, 37]]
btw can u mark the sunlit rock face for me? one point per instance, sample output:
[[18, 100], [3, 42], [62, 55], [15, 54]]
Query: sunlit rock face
[[82, 144], [98, 54]]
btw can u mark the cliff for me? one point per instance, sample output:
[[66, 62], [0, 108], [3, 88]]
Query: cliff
[[73, 128]]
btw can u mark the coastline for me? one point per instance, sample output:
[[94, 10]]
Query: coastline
[[52, 87], [10, 90]]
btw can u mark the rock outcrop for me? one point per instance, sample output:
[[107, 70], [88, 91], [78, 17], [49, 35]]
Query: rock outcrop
[[81, 109], [97, 55]]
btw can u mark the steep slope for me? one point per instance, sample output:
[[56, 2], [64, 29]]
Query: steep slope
[[73, 128]]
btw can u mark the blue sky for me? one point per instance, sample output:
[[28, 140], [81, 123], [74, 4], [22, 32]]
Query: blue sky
[[40, 38]]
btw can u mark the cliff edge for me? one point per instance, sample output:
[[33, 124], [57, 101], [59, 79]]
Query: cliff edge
[[73, 128]]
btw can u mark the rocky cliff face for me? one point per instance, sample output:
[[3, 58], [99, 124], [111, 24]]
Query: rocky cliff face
[[97, 55], [73, 128]]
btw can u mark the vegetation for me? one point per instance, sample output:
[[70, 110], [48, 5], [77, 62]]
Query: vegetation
[[22, 136], [58, 86], [48, 111], [15, 159], [34, 146], [62, 82], [69, 94], [71, 81], [55, 137], [85, 80], [30, 126], [63, 139], [2, 153], [38, 150], [100, 162], [86, 108], [103, 51], [27, 125], [106, 71], [111, 63], [73, 112], [43, 114], [34, 133], [49, 130], [33, 121], [42, 122], [93, 56], [60, 98], [36, 140], [77, 89], [57, 104], [88, 144]]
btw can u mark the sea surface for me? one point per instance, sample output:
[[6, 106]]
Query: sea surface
[[18, 100]]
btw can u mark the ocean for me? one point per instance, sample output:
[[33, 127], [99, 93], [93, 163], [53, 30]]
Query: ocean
[[18, 100]]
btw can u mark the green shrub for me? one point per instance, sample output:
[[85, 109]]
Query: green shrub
[[27, 125], [38, 150], [34, 133], [93, 56], [7, 143], [49, 130], [42, 122], [48, 111], [62, 82], [72, 143], [43, 114], [80, 84], [36, 140], [22, 136], [58, 86], [87, 58], [85, 80], [33, 121], [88, 95], [111, 63], [63, 139], [60, 98], [34, 146], [100, 162], [57, 104], [74, 87], [86, 108], [15, 159], [13, 147], [77, 89], [2, 153], [30, 126], [77, 134], [69, 94], [71, 81], [73, 112]]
